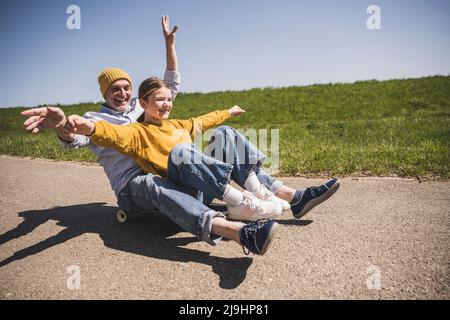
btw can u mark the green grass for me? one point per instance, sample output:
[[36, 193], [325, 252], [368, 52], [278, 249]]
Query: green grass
[[395, 127]]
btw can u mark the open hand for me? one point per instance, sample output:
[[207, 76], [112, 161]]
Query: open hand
[[168, 35], [43, 118], [236, 111]]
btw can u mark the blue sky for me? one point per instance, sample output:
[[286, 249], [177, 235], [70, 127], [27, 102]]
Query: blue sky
[[221, 44]]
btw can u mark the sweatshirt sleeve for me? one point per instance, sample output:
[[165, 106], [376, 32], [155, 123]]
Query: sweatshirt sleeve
[[172, 78], [207, 121], [123, 138]]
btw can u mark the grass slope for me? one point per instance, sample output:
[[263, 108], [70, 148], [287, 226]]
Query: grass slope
[[395, 127]]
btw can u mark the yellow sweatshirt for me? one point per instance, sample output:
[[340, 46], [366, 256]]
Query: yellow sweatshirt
[[149, 144]]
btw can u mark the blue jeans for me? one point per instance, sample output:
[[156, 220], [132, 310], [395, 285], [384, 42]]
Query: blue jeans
[[270, 182], [228, 139], [149, 192], [228, 156]]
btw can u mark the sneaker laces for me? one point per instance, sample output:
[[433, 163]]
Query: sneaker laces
[[265, 193], [250, 231], [319, 190], [252, 201]]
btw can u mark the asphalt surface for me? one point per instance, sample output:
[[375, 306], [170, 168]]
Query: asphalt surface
[[376, 238]]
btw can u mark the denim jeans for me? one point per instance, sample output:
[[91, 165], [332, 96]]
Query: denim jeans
[[149, 192], [207, 172], [270, 182], [226, 133]]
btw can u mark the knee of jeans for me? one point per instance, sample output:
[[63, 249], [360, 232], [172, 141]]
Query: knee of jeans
[[224, 129], [180, 150], [225, 132]]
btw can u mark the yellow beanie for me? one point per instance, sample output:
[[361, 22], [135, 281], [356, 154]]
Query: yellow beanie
[[108, 76]]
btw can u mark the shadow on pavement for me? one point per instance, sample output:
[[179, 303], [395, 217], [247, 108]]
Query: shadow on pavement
[[300, 223], [149, 236]]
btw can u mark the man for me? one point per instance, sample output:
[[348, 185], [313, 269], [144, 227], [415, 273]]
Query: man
[[140, 192]]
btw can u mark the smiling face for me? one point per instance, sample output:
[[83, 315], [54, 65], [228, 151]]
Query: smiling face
[[118, 95], [157, 105]]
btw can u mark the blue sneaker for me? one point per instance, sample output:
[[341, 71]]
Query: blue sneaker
[[311, 197], [256, 236]]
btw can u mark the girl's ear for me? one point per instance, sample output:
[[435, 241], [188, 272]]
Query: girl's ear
[[143, 103]]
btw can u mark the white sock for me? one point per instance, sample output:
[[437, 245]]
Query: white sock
[[232, 196], [252, 183]]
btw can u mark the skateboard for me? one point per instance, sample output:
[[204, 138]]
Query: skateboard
[[123, 216]]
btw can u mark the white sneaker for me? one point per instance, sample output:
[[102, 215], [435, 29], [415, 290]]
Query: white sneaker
[[267, 195], [253, 209]]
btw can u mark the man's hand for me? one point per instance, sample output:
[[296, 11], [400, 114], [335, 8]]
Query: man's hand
[[235, 111], [169, 36], [80, 125], [43, 118]]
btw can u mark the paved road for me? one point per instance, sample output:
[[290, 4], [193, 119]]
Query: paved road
[[376, 238]]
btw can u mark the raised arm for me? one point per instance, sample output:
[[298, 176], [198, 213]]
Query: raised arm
[[171, 75], [169, 36]]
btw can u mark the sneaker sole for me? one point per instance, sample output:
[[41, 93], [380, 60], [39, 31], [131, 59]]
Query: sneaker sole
[[310, 205], [273, 231]]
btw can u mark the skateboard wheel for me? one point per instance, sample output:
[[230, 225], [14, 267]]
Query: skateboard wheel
[[122, 216]]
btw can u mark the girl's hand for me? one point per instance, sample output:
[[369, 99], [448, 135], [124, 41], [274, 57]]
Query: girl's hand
[[169, 36], [235, 111], [79, 125]]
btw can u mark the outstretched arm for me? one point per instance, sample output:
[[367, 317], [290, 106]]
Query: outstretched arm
[[123, 138], [46, 118], [200, 124], [169, 36]]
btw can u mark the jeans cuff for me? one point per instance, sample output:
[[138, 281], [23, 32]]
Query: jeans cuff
[[275, 186], [205, 226], [223, 184]]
